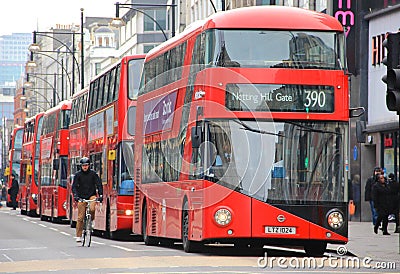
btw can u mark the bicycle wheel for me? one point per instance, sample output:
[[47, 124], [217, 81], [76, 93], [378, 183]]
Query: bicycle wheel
[[84, 232], [88, 231]]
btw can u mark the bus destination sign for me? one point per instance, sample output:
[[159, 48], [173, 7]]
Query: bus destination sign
[[279, 98]]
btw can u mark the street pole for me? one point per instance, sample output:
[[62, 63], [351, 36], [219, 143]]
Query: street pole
[[173, 18], [73, 64], [54, 90], [82, 52]]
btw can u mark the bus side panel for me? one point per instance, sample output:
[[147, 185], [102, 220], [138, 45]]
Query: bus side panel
[[60, 203]]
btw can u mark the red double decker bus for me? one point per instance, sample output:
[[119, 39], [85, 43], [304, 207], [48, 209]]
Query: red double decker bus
[[15, 157], [111, 117], [52, 194], [242, 133], [29, 176], [77, 146]]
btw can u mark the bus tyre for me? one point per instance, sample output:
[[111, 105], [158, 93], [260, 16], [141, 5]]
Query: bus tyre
[[148, 240], [109, 234], [315, 248], [72, 224], [188, 245]]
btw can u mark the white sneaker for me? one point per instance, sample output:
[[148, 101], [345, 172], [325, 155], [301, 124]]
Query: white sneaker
[[78, 239], [93, 224]]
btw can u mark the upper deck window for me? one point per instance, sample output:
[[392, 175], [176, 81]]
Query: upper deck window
[[134, 73], [270, 49]]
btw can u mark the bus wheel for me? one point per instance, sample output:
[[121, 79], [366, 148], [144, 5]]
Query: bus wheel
[[148, 240], [109, 233], [42, 218], [315, 248], [188, 245], [72, 224]]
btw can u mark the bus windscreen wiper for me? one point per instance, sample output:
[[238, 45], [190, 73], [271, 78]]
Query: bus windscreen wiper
[[247, 127]]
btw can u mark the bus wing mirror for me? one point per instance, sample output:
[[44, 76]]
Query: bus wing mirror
[[356, 112], [360, 131], [196, 137], [56, 164]]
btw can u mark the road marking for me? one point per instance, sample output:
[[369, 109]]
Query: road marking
[[22, 248], [121, 247], [42, 225], [99, 243], [145, 262], [8, 258], [66, 254], [54, 229], [65, 233]]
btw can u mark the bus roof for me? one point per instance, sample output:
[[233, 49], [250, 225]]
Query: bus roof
[[273, 17], [34, 117], [62, 105], [259, 17], [80, 92], [120, 61]]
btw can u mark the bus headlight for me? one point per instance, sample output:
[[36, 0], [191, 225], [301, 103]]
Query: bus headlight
[[223, 216], [335, 219], [65, 205], [125, 212]]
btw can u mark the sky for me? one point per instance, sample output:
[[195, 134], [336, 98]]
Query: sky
[[26, 16]]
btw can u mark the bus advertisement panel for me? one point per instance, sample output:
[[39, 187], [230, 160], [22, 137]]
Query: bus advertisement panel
[[52, 194], [243, 133], [28, 184]]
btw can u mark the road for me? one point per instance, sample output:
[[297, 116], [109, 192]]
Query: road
[[28, 245]]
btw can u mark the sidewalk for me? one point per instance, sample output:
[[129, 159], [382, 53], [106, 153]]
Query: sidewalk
[[363, 242]]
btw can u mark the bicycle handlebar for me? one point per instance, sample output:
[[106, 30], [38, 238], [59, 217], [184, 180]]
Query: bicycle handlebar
[[87, 201]]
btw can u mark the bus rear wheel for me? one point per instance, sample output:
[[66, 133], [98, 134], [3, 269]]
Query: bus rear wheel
[[188, 245], [315, 248], [72, 224], [148, 240]]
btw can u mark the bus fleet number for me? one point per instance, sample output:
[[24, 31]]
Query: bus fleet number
[[314, 97]]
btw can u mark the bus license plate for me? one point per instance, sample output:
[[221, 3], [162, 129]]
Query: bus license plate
[[280, 230]]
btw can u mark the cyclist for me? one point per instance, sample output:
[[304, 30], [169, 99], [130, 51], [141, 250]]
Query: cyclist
[[86, 181]]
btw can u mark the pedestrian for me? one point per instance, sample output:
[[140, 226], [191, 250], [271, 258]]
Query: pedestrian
[[85, 184], [380, 196], [356, 194], [394, 199], [4, 193], [368, 193], [13, 191]]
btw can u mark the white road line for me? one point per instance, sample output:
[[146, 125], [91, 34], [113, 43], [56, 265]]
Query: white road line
[[99, 243], [65, 233], [121, 247], [8, 258], [66, 254], [42, 225], [54, 229], [23, 248], [33, 222]]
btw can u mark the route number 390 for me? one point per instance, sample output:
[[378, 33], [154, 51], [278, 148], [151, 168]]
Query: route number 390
[[314, 98]]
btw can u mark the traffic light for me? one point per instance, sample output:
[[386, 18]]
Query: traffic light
[[392, 77]]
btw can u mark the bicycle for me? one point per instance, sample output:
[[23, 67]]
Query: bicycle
[[87, 223]]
